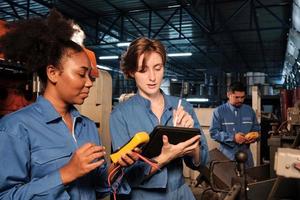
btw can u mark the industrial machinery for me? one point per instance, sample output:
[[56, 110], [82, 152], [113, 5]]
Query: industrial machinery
[[274, 181], [287, 135], [284, 149]]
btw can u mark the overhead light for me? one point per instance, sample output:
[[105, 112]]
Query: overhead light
[[108, 57], [123, 44], [174, 6], [109, 69], [179, 54], [197, 100], [104, 67]]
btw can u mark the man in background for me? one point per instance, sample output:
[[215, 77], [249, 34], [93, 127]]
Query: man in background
[[234, 124]]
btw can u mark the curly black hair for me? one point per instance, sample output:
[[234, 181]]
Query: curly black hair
[[39, 42]]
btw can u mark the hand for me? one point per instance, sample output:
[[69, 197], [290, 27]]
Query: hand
[[250, 141], [239, 138], [252, 137], [170, 152], [129, 158], [84, 160], [183, 118]]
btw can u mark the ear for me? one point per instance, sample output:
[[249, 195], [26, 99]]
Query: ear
[[52, 73], [228, 94], [131, 75]]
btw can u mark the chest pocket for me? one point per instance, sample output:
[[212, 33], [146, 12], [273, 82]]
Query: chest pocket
[[49, 159], [228, 126], [247, 126]]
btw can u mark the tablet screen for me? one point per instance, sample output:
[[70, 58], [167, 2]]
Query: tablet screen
[[175, 135]]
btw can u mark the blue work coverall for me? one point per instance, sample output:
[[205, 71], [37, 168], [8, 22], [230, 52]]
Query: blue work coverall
[[34, 144], [228, 120], [135, 115]]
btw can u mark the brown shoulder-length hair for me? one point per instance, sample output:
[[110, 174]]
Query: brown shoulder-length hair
[[143, 45]]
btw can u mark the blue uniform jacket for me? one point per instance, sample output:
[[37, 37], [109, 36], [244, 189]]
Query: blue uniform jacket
[[135, 115], [226, 122], [34, 144]]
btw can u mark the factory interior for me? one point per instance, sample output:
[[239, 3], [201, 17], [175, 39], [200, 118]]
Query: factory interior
[[210, 44]]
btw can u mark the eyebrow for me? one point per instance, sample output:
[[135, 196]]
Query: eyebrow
[[86, 68]]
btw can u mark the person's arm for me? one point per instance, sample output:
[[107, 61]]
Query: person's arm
[[217, 133], [15, 181], [191, 150], [255, 128], [139, 171]]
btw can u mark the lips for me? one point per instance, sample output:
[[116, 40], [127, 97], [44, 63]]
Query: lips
[[84, 94], [151, 86]]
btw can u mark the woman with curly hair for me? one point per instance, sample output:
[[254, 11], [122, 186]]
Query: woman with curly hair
[[48, 150]]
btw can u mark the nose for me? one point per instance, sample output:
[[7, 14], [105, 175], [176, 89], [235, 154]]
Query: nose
[[89, 81], [152, 76]]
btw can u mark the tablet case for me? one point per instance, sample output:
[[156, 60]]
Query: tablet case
[[175, 135]]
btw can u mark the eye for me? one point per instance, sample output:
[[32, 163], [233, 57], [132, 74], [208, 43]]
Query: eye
[[158, 67], [81, 74], [92, 78], [142, 70]]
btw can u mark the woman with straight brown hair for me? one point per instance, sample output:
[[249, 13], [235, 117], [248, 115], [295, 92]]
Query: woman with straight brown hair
[[144, 61]]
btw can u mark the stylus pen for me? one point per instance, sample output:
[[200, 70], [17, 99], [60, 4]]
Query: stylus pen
[[179, 104]]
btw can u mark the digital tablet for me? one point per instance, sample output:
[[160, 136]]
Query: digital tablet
[[175, 135]]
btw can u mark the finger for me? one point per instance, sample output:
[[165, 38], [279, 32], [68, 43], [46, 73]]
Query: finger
[[127, 160], [94, 149], [187, 121], [191, 141], [95, 156], [94, 165], [174, 113], [137, 150], [180, 116], [190, 123], [192, 147], [86, 146], [133, 155], [122, 162], [165, 140]]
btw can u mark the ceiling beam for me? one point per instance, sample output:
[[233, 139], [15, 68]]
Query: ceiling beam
[[258, 33]]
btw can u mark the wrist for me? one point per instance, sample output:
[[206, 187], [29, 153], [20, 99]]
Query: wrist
[[66, 175], [161, 160]]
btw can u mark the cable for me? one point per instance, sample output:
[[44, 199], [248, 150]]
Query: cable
[[112, 174]]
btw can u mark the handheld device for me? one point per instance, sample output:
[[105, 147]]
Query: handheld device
[[175, 136], [139, 139]]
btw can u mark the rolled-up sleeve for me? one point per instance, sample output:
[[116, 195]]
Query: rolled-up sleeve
[[15, 180]]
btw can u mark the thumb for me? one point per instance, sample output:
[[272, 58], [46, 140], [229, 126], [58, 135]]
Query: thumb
[[165, 140]]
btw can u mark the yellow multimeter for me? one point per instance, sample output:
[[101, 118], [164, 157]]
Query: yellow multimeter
[[139, 139]]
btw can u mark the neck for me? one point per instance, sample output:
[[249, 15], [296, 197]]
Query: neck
[[154, 98], [61, 107]]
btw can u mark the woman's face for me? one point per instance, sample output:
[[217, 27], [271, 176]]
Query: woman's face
[[149, 80], [74, 82]]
